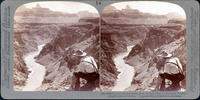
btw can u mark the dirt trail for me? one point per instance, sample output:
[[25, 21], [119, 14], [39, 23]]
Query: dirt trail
[[126, 71], [36, 76]]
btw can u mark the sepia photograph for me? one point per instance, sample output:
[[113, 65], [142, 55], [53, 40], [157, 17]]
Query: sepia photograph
[[56, 47], [99, 49], [143, 47]]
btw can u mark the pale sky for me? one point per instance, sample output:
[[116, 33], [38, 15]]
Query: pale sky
[[144, 6], [155, 7], [63, 6]]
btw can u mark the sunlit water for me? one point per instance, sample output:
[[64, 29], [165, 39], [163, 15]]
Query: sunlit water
[[36, 76], [126, 71]]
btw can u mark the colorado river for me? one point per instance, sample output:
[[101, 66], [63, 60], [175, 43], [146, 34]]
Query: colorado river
[[36, 76], [126, 71]]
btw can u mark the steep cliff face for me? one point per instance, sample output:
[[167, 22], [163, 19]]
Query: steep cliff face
[[66, 37], [169, 37], [114, 39], [82, 35], [26, 39], [27, 36], [20, 72]]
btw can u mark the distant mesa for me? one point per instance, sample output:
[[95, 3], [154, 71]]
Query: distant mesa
[[174, 16], [128, 9], [39, 8], [39, 14], [128, 15], [109, 9]]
